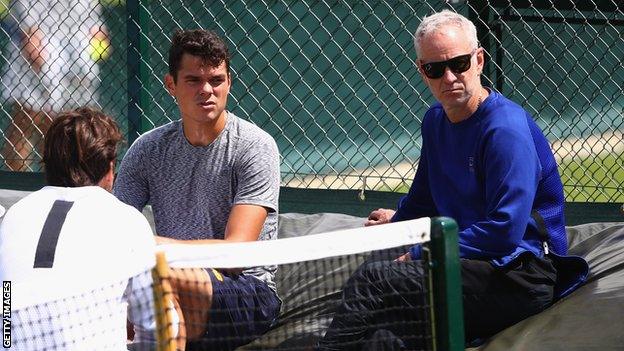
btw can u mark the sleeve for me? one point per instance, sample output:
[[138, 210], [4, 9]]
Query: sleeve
[[131, 185], [140, 297], [511, 174], [140, 289], [417, 202], [258, 175]]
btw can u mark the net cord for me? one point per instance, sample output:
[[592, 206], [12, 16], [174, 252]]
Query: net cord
[[298, 249]]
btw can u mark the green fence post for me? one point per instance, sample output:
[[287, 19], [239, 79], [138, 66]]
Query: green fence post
[[138, 103], [448, 306]]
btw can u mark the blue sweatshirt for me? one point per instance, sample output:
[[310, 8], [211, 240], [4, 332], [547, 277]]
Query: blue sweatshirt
[[494, 173]]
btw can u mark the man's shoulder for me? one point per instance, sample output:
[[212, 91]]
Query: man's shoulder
[[120, 218], [435, 109], [157, 135], [501, 102], [119, 207], [149, 145], [502, 112], [434, 112], [87, 197], [249, 133], [25, 204]]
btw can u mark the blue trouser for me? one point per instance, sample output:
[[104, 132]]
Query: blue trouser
[[243, 308]]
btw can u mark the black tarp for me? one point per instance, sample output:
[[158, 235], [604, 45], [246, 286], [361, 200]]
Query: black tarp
[[591, 318]]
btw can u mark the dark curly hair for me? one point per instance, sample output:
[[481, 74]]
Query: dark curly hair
[[197, 42], [79, 147]]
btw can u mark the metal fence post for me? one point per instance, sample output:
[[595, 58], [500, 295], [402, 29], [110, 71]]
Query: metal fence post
[[138, 101], [448, 306]]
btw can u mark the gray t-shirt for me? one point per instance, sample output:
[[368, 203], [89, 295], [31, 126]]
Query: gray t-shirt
[[192, 188]]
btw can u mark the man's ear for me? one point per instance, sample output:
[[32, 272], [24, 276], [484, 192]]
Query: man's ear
[[170, 84], [229, 79], [480, 59], [109, 178], [111, 172]]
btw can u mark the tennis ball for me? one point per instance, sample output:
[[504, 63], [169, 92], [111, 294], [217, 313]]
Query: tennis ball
[[99, 49]]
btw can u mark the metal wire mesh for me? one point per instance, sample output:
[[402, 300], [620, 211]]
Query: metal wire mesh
[[335, 84], [56, 55]]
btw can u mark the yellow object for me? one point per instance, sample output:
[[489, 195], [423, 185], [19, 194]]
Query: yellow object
[[99, 49], [163, 300], [217, 275]]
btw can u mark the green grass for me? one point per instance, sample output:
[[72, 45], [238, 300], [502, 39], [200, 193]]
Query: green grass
[[593, 179]]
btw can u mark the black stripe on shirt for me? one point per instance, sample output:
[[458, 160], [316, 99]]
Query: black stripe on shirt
[[46, 248]]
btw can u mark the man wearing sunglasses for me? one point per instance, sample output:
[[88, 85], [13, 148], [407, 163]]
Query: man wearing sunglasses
[[485, 163]]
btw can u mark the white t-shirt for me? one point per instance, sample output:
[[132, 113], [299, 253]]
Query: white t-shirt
[[99, 262]]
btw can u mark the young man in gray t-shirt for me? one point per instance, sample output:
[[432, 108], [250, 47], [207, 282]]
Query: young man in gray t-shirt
[[210, 177]]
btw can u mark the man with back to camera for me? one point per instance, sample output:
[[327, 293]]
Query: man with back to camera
[[70, 229], [210, 177], [485, 163]]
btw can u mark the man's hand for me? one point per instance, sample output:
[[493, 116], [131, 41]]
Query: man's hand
[[404, 258], [379, 216], [160, 240]]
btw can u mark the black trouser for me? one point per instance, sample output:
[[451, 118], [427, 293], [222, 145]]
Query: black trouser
[[382, 306]]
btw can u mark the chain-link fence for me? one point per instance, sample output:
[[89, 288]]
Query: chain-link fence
[[335, 83], [56, 55]]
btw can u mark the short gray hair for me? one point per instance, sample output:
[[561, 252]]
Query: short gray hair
[[441, 19]]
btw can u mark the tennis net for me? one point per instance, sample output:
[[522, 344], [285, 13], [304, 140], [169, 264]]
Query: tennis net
[[188, 301], [311, 272], [80, 313]]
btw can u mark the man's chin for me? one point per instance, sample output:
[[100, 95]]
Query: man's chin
[[209, 114], [201, 118], [453, 101]]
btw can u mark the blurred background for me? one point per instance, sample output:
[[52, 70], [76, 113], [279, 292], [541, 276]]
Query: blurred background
[[334, 82]]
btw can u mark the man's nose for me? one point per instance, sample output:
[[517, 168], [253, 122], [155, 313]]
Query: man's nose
[[206, 88], [449, 76]]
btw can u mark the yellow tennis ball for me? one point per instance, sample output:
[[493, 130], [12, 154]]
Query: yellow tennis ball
[[99, 49]]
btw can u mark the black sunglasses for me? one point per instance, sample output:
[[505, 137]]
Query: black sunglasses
[[458, 64]]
